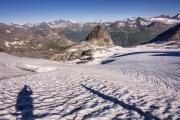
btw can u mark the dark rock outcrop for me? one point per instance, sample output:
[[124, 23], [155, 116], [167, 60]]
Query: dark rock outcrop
[[81, 53], [1, 49], [99, 37]]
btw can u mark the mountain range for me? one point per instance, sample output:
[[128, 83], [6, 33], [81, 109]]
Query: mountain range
[[53, 37]]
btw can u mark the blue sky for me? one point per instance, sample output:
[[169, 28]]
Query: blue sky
[[24, 11]]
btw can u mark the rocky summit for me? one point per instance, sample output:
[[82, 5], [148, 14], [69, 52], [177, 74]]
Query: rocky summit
[[99, 37]]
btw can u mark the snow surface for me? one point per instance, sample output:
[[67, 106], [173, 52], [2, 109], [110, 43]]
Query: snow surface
[[8, 31], [126, 83]]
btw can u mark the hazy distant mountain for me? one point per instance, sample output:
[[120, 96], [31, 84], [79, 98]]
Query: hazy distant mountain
[[170, 39], [13, 32], [66, 24], [172, 34], [123, 32], [32, 41]]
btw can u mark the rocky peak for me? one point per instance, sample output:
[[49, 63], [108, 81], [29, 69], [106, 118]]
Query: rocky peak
[[142, 22], [99, 37], [140, 19]]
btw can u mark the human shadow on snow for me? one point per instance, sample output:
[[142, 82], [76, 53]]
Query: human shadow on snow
[[146, 115], [24, 103], [25, 106]]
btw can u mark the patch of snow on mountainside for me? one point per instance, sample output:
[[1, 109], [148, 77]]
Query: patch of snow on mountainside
[[121, 24], [60, 25], [145, 23], [8, 31], [8, 44]]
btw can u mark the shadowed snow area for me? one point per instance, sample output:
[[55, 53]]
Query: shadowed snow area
[[128, 83]]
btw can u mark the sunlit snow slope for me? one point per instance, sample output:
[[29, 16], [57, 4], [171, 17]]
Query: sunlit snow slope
[[129, 84]]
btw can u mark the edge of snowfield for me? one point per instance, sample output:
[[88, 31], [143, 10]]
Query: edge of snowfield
[[121, 83], [105, 53]]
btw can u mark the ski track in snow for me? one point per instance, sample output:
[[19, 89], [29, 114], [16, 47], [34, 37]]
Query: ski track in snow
[[138, 86]]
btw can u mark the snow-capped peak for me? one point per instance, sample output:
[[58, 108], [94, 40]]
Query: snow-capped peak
[[73, 21], [29, 25]]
